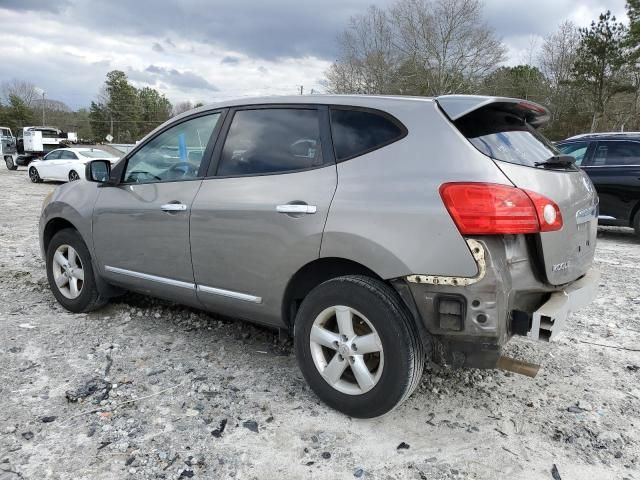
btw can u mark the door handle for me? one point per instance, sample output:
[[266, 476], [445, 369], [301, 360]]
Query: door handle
[[173, 207], [294, 208]]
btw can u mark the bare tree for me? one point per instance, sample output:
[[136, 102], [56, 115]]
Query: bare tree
[[182, 107], [446, 44], [368, 61], [558, 53], [25, 91]]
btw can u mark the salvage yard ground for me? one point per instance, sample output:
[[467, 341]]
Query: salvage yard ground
[[146, 389]]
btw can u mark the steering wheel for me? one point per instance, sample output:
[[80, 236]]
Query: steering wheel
[[182, 169], [136, 176]]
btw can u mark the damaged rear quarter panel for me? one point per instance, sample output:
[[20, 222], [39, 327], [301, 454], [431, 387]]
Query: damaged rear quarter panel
[[387, 213]]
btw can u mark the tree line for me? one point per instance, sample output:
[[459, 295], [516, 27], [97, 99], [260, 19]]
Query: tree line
[[121, 110], [588, 77]]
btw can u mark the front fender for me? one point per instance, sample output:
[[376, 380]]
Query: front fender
[[73, 203]]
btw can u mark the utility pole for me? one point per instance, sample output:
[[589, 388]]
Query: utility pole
[[301, 89], [43, 122]]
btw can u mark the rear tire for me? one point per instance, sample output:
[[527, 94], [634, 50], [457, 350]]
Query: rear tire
[[70, 273], [34, 176], [351, 373], [9, 163]]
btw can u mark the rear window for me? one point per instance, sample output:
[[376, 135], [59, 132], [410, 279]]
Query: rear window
[[505, 136], [356, 132]]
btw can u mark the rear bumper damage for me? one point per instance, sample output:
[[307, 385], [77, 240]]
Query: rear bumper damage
[[470, 319], [549, 320]]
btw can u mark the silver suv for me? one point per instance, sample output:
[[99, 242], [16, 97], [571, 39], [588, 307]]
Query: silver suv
[[379, 231]]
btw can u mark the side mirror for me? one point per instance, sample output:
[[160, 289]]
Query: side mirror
[[98, 171]]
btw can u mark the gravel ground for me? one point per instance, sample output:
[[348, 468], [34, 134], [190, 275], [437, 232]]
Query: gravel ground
[[148, 389]]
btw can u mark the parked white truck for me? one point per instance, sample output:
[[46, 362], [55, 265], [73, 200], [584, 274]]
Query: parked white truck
[[8, 151], [35, 142]]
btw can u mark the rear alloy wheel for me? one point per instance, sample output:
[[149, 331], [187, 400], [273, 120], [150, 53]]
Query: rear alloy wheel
[[357, 346], [73, 176], [34, 176], [9, 163], [70, 272]]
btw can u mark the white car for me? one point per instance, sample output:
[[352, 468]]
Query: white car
[[66, 164]]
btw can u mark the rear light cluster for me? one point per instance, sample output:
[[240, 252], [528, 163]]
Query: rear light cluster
[[493, 209]]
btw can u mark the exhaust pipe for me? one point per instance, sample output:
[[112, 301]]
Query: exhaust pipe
[[517, 366]]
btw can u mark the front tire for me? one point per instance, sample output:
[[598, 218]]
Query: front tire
[[73, 176], [9, 163], [34, 175], [357, 346], [70, 272]]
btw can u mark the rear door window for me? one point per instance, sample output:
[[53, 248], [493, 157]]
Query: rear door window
[[67, 155], [356, 132], [503, 135], [272, 140], [617, 153], [577, 150]]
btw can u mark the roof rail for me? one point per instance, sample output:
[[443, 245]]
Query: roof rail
[[602, 134]]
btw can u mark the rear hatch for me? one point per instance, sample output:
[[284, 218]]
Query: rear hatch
[[505, 130]]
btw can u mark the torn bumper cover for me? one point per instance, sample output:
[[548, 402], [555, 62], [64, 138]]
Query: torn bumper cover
[[548, 321]]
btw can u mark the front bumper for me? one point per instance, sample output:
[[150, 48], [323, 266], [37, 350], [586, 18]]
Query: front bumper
[[549, 320]]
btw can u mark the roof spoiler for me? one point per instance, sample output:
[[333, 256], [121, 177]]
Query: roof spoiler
[[457, 106]]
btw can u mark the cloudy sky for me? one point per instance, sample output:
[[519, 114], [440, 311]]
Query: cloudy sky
[[211, 49]]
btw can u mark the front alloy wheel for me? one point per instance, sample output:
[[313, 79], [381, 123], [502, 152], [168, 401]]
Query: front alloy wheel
[[73, 176], [34, 176], [68, 273]]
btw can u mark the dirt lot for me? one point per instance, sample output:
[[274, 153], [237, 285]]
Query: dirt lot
[[146, 389]]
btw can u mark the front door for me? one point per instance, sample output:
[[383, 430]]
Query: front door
[[261, 217], [50, 162], [141, 226]]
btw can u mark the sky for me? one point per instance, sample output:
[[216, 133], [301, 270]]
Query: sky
[[208, 50]]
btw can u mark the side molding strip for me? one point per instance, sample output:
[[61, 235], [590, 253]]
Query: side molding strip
[[191, 286], [228, 293], [152, 278]]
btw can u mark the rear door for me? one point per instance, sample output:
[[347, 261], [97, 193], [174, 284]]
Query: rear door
[[64, 164], [260, 214], [505, 130], [614, 169]]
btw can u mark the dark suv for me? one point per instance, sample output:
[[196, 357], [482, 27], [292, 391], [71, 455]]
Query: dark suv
[[612, 160]]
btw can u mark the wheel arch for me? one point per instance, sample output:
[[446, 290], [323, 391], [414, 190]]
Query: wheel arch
[[52, 227], [313, 274]]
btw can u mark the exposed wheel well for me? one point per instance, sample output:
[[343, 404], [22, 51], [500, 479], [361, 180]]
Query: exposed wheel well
[[312, 275], [53, 227]]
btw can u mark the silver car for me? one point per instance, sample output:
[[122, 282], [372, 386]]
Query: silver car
[[379, 231]]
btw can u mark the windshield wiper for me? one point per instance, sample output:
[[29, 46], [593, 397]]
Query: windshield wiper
[[557, 161]]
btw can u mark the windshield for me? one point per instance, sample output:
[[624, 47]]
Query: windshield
[[507, 137], [96, 154]]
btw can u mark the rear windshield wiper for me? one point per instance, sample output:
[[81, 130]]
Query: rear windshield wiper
[[557, 161]]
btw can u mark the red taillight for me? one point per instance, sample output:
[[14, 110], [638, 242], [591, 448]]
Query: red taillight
[[492, 209], [548, 212]]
